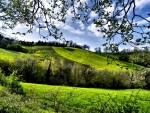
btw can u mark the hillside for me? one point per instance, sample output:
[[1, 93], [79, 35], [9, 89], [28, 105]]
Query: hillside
[[67, 66], [71, 83], [98, 61]]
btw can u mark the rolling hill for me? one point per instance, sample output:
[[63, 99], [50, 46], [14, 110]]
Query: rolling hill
[[98, 61], [53, 98]]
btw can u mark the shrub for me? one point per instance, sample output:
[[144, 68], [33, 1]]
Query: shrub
[[16, 47], [29, 69], [5, 65], [147, 79], [124, 56], [111, 79], [3, 80], [11, 82]]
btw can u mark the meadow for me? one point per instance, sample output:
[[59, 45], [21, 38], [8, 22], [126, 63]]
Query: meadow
[[41, 98], [98, 61], [86, 99]]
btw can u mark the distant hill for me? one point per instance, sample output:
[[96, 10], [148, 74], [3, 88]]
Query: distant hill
[[98, 61]]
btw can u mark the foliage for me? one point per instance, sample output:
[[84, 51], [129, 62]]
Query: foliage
[[16, 103], [11, 82], [16, 47], [47, 67], [140, 57], [124, 56], [68, 73], [46, 98]]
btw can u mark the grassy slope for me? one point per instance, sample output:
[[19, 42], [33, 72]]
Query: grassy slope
[[74, 54], [83, 97], [85, 57], [40, 52]]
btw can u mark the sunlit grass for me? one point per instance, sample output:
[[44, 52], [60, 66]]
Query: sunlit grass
[[84, 96], [97, 61], [89, 58]]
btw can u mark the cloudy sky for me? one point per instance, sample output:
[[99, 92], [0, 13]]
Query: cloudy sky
[[81, 33]]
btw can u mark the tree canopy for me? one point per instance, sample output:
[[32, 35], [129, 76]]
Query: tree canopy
[[43, 14]]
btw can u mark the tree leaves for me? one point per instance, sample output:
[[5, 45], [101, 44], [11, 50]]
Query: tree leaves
[[112, 17]]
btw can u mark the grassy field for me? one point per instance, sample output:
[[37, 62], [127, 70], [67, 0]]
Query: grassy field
[[40, 52], [98, 61], [48, 98], [41, 98], [86, 99]]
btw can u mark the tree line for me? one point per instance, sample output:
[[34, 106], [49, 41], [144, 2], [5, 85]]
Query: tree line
[[66, 72], [5, 41]]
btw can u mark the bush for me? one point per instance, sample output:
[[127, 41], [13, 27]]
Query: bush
[[3, 80], [124, 56], [111, 79], [11, 82], [30, 70], [147, 79], [16, 47], [5, 65]]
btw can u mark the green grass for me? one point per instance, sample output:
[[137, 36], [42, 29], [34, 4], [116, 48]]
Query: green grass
[[82, 100], [39, 52], [98, 61], [41, 98], [88, 98]]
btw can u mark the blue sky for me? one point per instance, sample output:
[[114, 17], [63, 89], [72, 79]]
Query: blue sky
[[81, 33]]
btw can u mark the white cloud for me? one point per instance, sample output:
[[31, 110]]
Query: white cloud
[[69, 15], [22, 26], [141, 3], [77, 38], [1, 23], [37, 30], [83, 1], [72, 30], [110, 9], [69, 28], [81, 25], [94, 30], [93, 14]]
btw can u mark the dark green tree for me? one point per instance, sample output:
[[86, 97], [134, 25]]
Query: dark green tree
[[48, 73]]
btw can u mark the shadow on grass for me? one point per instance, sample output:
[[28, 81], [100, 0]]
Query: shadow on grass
[[69, 49]]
